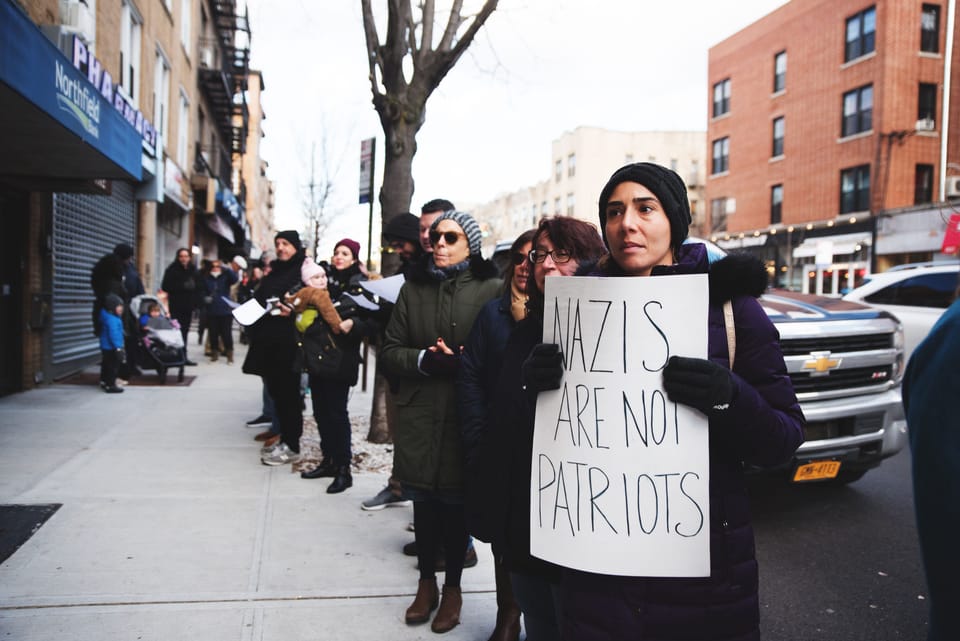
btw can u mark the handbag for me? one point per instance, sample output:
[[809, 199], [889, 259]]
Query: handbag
[[317, 352]]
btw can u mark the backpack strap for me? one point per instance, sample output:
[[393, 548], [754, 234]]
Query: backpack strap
[[731, 332]]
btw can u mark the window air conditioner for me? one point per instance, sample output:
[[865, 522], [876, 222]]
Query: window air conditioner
[[925, 124], [953, 187], [206, 57], [77, 18]]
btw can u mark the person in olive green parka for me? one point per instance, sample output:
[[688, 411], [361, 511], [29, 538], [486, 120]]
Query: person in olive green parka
[[421, 352]]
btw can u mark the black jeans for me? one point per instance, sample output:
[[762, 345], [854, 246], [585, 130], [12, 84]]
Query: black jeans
[[284, 389], [183, 316], [108, 367], [221, 329], [329, 400]]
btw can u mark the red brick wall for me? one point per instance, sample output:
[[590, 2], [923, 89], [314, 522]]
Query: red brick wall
[[812, 32]]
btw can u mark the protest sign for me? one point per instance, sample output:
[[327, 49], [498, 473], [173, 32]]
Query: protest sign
[[620, 474]]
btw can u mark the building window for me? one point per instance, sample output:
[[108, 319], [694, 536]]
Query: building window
[[570, 204], [721, 97], [923, 185], [130, 27], [718, 215], [628, 159], [721, 156], [776, 204], [927, 101], [855, 189], [858, 110], [186, 13], [558, 170], [930, 28], [674, 164], [183, 130], [556, 206], [778, 128], [161, 94], [572, 165], [544, 211], [780, 72], [861, 34]]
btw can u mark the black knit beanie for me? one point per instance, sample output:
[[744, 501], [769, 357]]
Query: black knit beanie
[[123, 251], [665, 184], [291, 236], [404, 226]]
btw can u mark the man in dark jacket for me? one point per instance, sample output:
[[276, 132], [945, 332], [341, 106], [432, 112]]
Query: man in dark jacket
[[181, 282], [115, 273]]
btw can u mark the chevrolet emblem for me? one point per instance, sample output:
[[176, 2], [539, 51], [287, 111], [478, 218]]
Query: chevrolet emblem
[[821, 363]]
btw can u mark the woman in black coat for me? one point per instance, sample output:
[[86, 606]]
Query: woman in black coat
[[498, 507], [330, 389], [273, 346], [181, 282]]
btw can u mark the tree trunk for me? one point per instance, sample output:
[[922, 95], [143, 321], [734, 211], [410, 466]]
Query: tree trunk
[[395, 195]]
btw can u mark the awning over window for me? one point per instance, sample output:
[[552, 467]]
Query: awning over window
[[55, 124], [839, 245]]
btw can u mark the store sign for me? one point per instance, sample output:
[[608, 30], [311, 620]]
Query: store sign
[[102, 81], [951, 239]]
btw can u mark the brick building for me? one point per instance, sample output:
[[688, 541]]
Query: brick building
[[120, 125], [827, 138]]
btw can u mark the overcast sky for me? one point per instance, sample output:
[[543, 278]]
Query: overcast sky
[[537, 69]]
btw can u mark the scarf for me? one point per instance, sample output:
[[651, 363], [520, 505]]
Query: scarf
[[440, 274]]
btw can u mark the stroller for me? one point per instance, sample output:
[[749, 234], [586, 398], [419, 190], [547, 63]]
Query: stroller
[[159, 344]]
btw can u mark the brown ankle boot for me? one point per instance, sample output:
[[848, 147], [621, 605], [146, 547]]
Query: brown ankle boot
[[229, 357], [424, 603], [508, 624], [448, 616]]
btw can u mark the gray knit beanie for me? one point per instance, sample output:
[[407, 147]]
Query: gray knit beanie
[[469, 227]]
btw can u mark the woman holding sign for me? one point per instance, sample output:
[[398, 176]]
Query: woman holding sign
[[499, 464], [753, 415], [430, 323]]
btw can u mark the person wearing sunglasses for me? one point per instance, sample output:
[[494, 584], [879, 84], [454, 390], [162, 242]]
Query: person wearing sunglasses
[[754, 419], [421, 351], [479, 370], [498, 491]]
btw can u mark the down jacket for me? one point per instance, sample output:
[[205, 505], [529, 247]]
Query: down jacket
[[763, 426], [428, 451]]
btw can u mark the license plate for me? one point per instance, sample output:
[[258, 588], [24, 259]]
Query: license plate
[[816, 471]]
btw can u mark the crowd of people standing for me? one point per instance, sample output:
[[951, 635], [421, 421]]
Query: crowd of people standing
[[462, 352]]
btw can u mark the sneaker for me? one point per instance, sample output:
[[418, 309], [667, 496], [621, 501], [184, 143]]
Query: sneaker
[[280, 455], [384, 498], [270, 445], [122, 381], [113, 389], [260, 420]]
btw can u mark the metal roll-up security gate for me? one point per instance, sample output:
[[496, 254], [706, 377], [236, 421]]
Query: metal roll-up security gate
[[85, 227]]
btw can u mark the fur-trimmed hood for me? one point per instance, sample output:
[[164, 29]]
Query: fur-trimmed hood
[[480, 267], [731, 276]]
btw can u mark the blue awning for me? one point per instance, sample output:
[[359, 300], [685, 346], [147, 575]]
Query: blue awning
[[54, 122]]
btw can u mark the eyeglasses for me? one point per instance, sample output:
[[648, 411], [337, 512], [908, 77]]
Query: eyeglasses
[[559, 255], [450, 236], [518, 258]]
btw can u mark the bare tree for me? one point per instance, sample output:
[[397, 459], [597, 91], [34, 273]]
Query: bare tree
[[401, 103], [318, 209]]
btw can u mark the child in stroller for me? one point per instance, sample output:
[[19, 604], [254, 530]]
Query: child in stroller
[[160, 344]]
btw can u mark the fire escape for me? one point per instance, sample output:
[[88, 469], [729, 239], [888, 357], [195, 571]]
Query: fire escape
[[224, 72]]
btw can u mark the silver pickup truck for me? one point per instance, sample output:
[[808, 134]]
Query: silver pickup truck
[[846, 361]]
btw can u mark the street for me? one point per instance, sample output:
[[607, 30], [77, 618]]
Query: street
[[840, 563]]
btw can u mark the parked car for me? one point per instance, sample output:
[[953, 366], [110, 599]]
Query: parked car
[[917, 294]]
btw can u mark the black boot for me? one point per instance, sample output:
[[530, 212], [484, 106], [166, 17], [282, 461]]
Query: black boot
[[326, 469], [341, 481]]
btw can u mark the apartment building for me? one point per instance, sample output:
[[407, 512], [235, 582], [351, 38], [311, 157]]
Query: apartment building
[[118, 126], [829, 123], [259, 188], [582, 161]]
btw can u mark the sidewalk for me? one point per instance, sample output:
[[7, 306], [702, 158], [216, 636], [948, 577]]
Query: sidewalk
[[170, 528]]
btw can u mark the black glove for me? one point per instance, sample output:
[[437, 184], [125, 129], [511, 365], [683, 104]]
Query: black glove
[[439, 364], [543, 368], [121, 356], [699, 383]]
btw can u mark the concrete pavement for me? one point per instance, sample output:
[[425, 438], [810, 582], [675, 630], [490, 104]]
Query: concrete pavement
[[171, 529]]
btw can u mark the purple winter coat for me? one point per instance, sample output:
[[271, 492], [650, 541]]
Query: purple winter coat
[[763, 427]]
